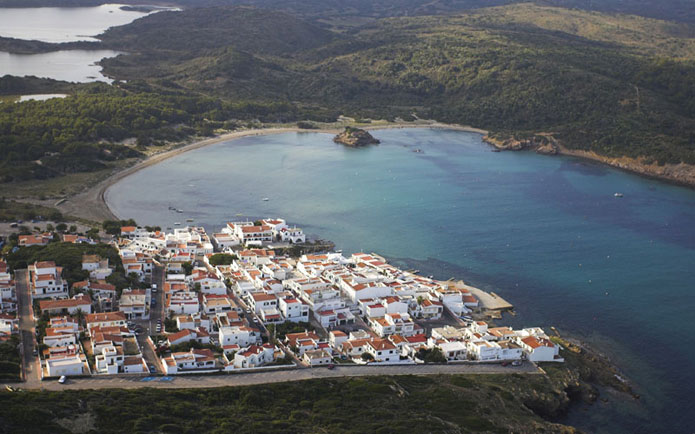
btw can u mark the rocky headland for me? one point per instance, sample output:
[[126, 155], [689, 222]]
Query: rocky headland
[[681, 173]]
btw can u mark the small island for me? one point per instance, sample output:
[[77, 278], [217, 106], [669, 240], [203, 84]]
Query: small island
[[355, 137]]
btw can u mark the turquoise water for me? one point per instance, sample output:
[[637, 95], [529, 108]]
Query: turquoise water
[[544, 232]]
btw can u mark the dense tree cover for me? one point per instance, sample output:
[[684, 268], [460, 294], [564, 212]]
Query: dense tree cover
[[85, 132], [113, 227], [250, 30], [66, 255], [221, 259], [490, 403]]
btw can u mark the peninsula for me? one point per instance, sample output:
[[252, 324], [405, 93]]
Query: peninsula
[[258, 300]]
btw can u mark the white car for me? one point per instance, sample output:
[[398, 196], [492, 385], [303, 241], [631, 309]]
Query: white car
[[62, 379]]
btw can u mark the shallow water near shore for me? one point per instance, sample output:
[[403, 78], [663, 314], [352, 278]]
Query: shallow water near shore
[[63, 24], [76, 66], [544, 232]]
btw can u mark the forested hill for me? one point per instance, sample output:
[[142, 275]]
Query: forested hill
[[254, 30], [357, 10], [617, 85], [612, 84]]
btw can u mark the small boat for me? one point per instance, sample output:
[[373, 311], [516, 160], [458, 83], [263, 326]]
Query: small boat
[[495, 150], [171, 208], [417, 151], [189, 220], [265, 199], [177, 224], [179, 211], [618, 194]]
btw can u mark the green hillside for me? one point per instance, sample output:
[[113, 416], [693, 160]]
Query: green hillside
[[616, 85], [478, 403]]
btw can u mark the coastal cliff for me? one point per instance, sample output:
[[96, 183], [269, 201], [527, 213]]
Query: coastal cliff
[[355, 137], [546, 144]]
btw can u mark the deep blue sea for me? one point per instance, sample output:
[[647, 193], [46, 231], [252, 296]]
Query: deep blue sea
[[544, 232]]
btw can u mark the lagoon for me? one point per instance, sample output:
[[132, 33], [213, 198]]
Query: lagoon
[[546, 233], [78, 66], [52, 24]]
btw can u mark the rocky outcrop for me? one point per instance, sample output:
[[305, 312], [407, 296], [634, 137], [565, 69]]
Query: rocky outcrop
[[544, 143], [355, 137]]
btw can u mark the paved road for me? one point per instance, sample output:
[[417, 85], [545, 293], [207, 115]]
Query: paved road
[[31, 366], [149, 326], [243, 379]]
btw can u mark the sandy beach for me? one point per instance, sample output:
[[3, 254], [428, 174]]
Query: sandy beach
[[91, 204]]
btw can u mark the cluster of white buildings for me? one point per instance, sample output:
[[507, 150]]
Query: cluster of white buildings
[[472, 343], [223, 310], [256, 234], [107, 338], [114, 347]]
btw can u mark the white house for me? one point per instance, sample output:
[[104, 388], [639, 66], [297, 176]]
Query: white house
[[455, 350], [60, 337], [134, 365], [484, 350], [261, 301], [383, 350], [185, 302], [317, 357], [292, 235], [254, 356], [293, 310], [70, 365], [539, 349], [336, 338], [81, 302], [46, 280], [107, 319], [135, 303], [109, 359], [239, 335], [194, 360], [188, 335], [252, 234]]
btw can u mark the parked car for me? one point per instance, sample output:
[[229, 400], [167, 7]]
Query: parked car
[[152, 369], [516, 363], [331, 366], [505, 363], [62, 379], [36, 351]]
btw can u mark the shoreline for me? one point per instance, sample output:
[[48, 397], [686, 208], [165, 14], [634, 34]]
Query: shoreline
[[680, 174], [92, 203]]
